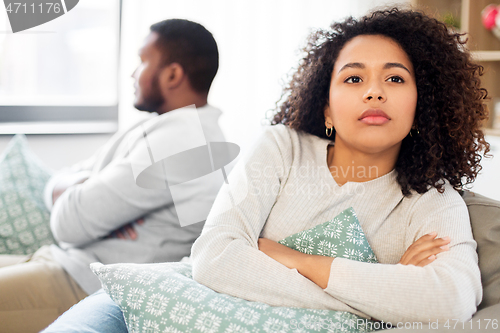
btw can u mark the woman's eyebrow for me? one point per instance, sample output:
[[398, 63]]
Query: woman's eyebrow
[[352, 65], [396, 64], [362, 66]]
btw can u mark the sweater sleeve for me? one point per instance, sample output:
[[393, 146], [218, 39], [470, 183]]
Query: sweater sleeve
[[104, 203], [226, 257], [448, 288], [80, 169], [109, 199]]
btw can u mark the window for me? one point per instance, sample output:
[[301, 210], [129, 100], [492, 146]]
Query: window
[[62, 76]]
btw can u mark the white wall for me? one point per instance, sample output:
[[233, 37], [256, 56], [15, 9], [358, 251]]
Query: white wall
[[488, 181]]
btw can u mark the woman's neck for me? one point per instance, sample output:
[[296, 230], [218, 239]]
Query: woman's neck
[[347, 165]]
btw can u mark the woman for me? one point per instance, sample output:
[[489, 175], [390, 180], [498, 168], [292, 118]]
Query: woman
[[382, 115]]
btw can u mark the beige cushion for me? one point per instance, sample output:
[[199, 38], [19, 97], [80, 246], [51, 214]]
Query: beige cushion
[[485, 221]]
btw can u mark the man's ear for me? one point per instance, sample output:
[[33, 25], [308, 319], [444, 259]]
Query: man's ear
[[171, 76]]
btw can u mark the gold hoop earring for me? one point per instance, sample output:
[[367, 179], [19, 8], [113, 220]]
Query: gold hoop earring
[[329, 134]]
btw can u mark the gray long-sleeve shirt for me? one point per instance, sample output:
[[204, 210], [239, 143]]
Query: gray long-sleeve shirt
[[86, 213], [284, 186]]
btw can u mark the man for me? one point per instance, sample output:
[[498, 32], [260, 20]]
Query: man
[[100, 200]]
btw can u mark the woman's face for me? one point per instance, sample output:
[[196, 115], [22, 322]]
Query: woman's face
[[373, 95]]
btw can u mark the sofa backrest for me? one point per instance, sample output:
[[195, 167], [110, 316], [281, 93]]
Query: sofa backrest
[[485, 221]]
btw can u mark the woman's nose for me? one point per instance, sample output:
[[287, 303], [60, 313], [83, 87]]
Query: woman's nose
[[375, 92]]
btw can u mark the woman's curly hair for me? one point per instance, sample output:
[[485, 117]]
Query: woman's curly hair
[[450, 109]]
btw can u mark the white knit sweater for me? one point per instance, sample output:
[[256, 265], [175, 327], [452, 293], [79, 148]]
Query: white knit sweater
[[283, 186]]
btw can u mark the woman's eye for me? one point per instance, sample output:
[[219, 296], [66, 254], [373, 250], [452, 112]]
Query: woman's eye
[[396, 79], [353, 79]]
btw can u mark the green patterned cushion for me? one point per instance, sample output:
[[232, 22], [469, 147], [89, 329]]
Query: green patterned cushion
[[341, 237], [24, 220], [165, 298]]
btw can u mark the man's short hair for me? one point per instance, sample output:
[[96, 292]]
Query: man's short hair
[[192, 46]]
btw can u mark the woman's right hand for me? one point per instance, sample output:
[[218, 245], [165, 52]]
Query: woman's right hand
[[424, 250]]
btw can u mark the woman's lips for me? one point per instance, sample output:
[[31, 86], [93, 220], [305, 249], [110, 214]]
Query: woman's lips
[[374, 117]]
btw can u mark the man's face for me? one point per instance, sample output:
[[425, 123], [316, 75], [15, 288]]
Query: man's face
[[148, 96]]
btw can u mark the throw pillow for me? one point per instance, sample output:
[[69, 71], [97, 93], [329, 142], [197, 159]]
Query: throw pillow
[[341, 237], [24, 219], [165, 298]]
